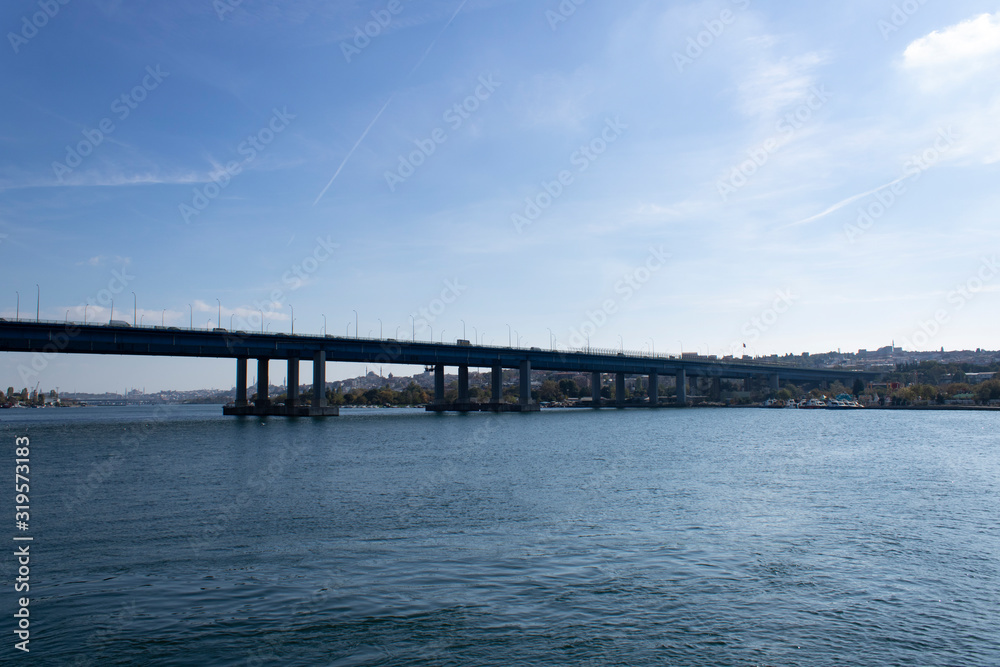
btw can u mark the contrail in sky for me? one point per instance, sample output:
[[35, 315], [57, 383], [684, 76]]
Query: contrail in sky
[[386, 105]]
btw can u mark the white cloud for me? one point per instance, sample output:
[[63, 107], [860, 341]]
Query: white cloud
[[974, 39]]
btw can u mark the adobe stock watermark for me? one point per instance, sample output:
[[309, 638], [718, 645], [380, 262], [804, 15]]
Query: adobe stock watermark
[[363, 35], [582, 158], [625, 289], [957, 298], [118, 283], [900, 16], [454, 116], [48, 9], [787, 127], [756, 326], [296, 277], [122, 107], [249, 148], [562, 13], [714, 29], [425, 316], [887, 196]]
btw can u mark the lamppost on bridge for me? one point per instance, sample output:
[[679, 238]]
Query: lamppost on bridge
[[508, 336], [380, 328], [464, 337], [162, 315], [324, 325], [442, 335], [191, 324], [413, 334], [517, 337], [397, 333], [261, 320], [87, 305], [220, 311], [347, 331], [67, 316], [140, 319], [135, 306], [17, 308], [112, 311], [355, 324], [293, 318], [231, 321], [621, 344], [475, 332], [551, 338], [652, 346], [38, 301]]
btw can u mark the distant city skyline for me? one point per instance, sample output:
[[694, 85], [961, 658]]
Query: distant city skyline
[[666, 175]]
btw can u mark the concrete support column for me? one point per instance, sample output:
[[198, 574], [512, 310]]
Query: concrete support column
[[774, 382], [439, 383], [241, 383], [716, 389], [595, 389], [292, 394], [319, 380], [262, 383], [746, 384], [654, 388], [463, 384], [682, 387], [496, 381], [620, 388], [525, 378]]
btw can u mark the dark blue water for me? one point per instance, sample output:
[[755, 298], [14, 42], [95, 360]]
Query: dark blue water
[[699, 537]]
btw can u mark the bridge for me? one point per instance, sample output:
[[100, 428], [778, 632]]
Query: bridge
[[46, 338]]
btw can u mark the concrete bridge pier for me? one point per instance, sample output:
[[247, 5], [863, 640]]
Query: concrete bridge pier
[[716, 389], [496, 382], [595, 389], [439, 384], [525, 380], [654, 389], [262, 401], [463, 384], [292, 384], [620, 389], [241, 383], [774, 381], [682, 387]]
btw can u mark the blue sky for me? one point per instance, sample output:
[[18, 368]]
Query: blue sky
[[668, 175]]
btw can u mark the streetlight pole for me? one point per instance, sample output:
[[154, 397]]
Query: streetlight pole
[[112, 311], [508, 336], [463, 329], [191, 308], [355, 324], [621, 343], [324, 325], [17, 311], [442, 335], [135, 306], [38, 301], [87, 305], [293, 318], [413, 334], [162, 315], [475, 332], [380, 328], [551, 336], [652, 347], [220, 311], [261, 320], [231, 321]]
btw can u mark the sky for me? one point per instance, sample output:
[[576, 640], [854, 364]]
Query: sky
[[662, 176]]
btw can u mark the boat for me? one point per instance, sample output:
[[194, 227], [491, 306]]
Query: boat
[[814, 404]]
